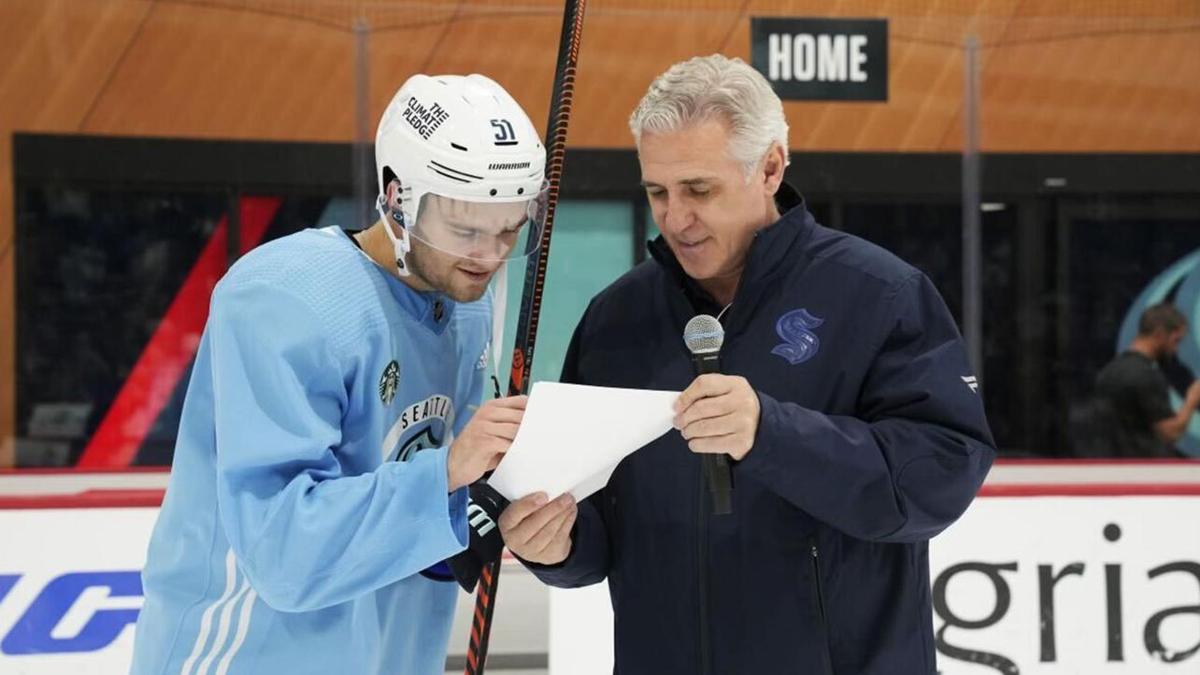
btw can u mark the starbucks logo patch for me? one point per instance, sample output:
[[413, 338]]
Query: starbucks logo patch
[[388, 382]]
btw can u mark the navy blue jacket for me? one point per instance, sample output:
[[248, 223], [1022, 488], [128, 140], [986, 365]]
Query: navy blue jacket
[[872, 439]]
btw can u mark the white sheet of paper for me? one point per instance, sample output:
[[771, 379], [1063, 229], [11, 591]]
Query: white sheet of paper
[[573, 436]]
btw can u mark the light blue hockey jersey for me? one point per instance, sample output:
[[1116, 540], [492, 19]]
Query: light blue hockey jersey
[[309, 485]]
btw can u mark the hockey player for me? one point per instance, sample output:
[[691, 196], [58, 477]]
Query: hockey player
[[327, 437]]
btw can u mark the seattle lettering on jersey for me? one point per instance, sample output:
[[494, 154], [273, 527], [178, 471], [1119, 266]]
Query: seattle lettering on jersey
[[424, 119], [437, 406]]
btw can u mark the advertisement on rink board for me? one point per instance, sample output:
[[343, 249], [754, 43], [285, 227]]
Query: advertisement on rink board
[[1093, 586], [71, 588], [1033, 585], [1021, 586]]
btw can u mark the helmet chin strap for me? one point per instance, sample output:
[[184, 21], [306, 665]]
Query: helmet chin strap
[[400, 245], [499, 307]]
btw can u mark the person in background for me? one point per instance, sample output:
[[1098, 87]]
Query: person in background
[[1134, 388]]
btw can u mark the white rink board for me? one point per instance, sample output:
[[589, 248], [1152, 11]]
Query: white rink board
[[57, 567], [85, 549], [85, 546], [1029, 532], [1053, 533]]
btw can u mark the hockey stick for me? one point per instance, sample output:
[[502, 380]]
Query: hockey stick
[[531, 296]]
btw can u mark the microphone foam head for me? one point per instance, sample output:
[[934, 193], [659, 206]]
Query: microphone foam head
[[703, 334]]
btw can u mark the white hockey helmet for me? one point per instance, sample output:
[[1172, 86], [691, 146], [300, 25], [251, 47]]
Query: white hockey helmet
[[471, 169]]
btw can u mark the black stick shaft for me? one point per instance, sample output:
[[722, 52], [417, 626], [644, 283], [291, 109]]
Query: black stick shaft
[[531, 296]]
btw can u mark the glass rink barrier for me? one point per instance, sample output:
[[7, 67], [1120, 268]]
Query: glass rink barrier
[[1058, 567]]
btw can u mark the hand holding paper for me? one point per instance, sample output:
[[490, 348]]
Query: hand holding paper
[[539, 531], [484, 441], [573, 436]]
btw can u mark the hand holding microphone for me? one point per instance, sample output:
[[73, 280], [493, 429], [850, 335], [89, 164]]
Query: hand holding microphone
[[717, 414]]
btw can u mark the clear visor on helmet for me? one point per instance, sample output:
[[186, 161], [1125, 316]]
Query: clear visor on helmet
[[485, 231]]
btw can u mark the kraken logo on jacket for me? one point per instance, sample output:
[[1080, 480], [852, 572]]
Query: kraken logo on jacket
[[800, 343]]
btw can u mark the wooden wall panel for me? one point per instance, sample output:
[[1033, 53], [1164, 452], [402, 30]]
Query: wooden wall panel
[[204, 72], [623, 54], [1101, 93], [521, 53]]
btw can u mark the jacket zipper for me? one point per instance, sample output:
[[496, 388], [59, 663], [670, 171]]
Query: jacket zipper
[[702, 573], [822, 623]]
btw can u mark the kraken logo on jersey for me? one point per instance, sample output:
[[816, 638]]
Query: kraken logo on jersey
[[422, 425], [422, 441], [388, 382]]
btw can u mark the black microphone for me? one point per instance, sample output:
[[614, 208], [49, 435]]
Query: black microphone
[[703, 336]]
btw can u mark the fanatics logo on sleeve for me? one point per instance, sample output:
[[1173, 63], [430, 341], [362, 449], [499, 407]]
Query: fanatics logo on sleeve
[[389, 382], [800, 343], [971, 382]]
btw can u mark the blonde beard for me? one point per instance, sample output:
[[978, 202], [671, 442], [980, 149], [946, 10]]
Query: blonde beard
[[444, 280], [423, 263]]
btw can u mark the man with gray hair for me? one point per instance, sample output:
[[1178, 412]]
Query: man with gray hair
[[847, 411]]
